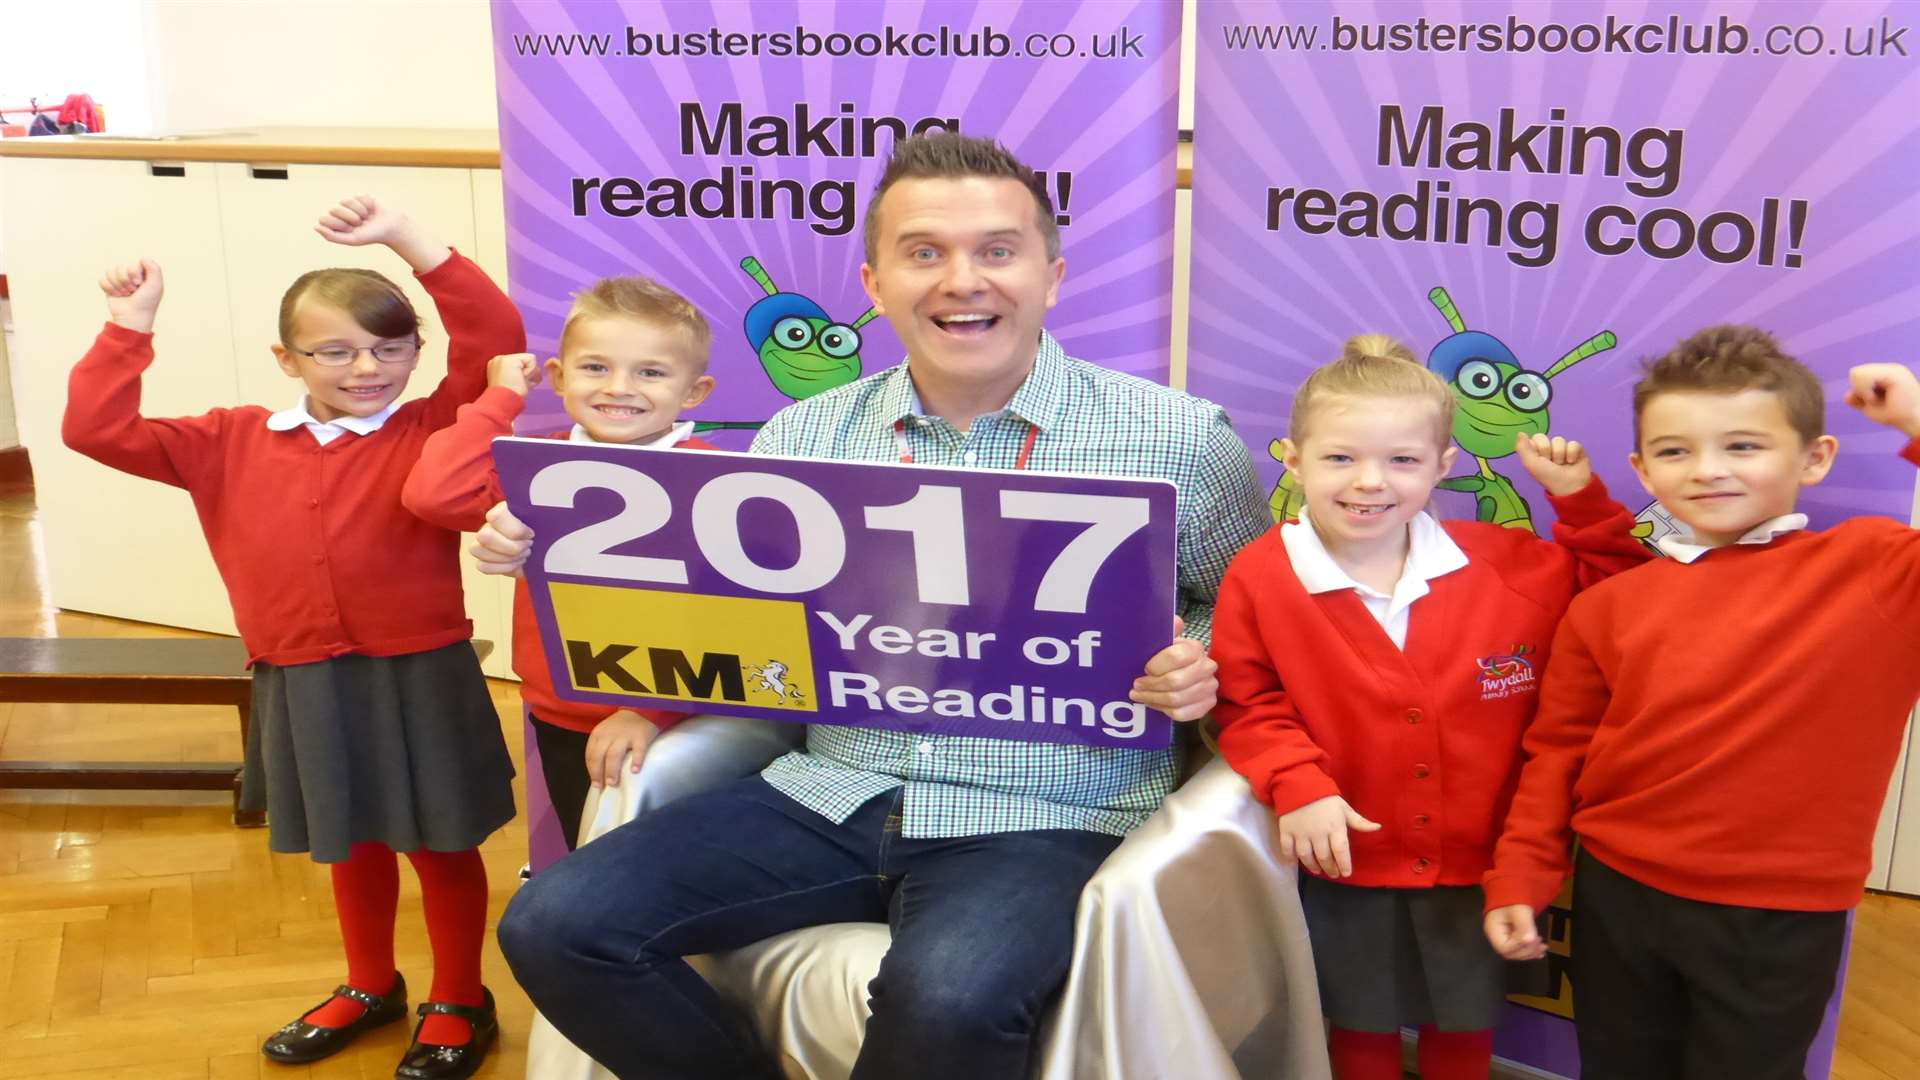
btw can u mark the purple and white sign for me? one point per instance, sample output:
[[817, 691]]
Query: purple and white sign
[[1009, 605], [729, 150], [1556, 191]]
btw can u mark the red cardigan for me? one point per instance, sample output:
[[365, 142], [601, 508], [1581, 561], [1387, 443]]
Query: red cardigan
[[454, 485], [319, 557], [1724, 730], [1315, 700]]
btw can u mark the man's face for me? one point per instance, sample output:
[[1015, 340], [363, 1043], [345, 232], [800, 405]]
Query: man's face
[[961, 271], [1724, 463]]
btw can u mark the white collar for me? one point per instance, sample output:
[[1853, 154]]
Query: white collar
[[289, 419], [673, 436], [1430, 554], [1681, 545]]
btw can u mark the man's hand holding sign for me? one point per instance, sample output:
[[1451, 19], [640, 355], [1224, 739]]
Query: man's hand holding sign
[[935, 600]]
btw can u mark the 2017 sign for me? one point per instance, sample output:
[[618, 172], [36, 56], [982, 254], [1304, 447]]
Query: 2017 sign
[[910, 597]]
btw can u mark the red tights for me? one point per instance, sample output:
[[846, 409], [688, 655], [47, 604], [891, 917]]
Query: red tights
[[453, 890], [1443, 1055]]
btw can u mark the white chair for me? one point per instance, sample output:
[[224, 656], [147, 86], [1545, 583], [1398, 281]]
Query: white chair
[[1190, 949]]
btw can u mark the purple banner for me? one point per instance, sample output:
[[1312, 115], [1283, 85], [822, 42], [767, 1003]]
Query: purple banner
[[908, 597], [1586, 184], [1562, 190], [728, 150]]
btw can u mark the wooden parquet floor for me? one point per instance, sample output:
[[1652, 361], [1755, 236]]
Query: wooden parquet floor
[[142, 937]]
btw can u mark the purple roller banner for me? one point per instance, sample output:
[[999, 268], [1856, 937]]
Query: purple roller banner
[[728, 149], [1568, 188], [1009, 605]]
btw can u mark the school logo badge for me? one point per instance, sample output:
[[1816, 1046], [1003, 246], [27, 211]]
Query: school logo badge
[[1506, 674], [703, 650]]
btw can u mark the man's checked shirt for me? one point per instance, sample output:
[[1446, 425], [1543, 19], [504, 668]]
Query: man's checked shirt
[[1091, 420]]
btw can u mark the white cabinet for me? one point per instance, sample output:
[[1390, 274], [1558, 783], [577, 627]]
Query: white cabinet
[[116, 544], [230, 238]]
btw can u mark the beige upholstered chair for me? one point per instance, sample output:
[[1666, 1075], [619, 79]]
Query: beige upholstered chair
[[1190, 956]]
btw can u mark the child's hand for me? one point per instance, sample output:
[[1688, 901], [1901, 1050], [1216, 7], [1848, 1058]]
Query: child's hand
[[363, 220], [624, 733], [1512, 932], [1888, 394], [502, 544], [1559, 464], [518, 372], [1316, 835], [133, 294]]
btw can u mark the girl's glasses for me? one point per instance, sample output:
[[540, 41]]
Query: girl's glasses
[[387, 352]]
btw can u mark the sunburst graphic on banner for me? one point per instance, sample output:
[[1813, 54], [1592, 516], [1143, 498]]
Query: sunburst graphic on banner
[[640, 150]]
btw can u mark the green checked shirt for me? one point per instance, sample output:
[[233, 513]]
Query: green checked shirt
[[1091, 420]]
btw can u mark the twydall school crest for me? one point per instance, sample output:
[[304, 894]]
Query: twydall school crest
[[1506, 674]]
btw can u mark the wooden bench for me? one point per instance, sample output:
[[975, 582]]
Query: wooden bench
[[143, 671]]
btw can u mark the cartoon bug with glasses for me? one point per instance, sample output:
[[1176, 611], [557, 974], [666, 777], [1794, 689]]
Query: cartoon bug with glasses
[[804, 351], [1499, 400]]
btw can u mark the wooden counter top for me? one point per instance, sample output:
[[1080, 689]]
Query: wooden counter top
[[449, 148]]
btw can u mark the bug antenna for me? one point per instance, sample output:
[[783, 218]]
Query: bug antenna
[[1598, 343], [1444, 302], [754, 270]]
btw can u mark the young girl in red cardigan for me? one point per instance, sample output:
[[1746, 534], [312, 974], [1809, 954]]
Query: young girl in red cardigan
[[1377, 671], [373, 731]]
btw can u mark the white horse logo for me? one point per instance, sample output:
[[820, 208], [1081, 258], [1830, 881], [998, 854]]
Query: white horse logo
[[772, 677]]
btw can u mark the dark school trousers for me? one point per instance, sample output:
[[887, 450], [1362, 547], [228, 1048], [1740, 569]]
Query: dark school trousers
[[1666, 988], [563, 765]]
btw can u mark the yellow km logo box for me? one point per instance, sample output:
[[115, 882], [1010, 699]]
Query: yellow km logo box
[[722, 649]]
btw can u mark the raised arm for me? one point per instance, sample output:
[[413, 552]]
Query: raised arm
[[454, 483], [1593, 527], [103, 418], [480, 321], [1889, 395]]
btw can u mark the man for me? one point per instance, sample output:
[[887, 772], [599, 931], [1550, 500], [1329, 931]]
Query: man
[[975, 850]]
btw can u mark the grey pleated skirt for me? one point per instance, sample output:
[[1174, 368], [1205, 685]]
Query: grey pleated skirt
[[1393, 958], [404, 751]]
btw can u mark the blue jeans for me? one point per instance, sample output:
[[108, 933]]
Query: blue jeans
[[982, 932]]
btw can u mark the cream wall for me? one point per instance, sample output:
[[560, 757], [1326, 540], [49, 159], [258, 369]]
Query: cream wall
[[354, 63], [175, 65]]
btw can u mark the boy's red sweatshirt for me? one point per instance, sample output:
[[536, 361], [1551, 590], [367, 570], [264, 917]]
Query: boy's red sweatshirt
[[1724, 730], [318, 555], [1316, 700], [453, 486]]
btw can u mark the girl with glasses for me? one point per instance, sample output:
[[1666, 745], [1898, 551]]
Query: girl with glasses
[[373, 732]]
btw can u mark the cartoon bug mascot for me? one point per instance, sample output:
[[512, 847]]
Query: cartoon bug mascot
[[1498, 401], [803, 351]]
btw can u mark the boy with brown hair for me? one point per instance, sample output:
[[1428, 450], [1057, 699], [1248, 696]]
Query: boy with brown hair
[[1717, 729]]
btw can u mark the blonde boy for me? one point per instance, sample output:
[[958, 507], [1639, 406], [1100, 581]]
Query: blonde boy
[[633, 356]]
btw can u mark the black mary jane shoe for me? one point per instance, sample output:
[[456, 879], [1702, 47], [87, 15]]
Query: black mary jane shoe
[[432, 1061], [301, 1042]]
